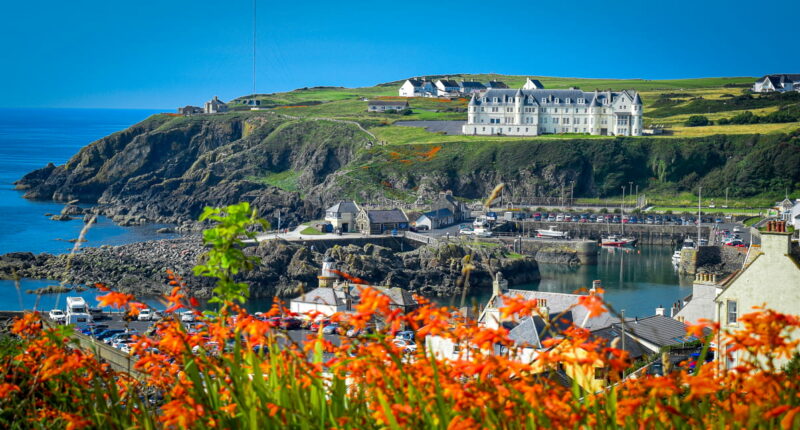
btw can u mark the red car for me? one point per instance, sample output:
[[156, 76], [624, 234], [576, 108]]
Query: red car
[[317, 324], [274, 321]]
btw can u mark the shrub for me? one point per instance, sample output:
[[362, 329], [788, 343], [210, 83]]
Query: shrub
[[696, 121]]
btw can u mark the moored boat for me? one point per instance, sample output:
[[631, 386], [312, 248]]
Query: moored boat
[[614, 240], [552, 233]]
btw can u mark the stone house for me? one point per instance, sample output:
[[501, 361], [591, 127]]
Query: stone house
[[381, 221], [190, 110], [342, 216], [215, 105], [434, 219], [386, 105], [777, 83], [445, 200]]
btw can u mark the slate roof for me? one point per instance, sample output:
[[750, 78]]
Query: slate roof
[[438, 213], [560, 302], [416, 82], [343, 207], [548, 97], [386, 216], [449, 83], [397, 295], [779, 79], [526, 333], [496, 85], [658, 330], [471, 85], [536, 82], [387, 103], [608, 334], [322, 296]]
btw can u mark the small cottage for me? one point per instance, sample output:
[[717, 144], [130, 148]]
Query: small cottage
[[215, 105], [386, 105], [381, 221], [435, 219], [342, 216], [190, 110]]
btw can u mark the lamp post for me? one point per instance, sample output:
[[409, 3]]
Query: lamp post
[[630, 191], [571, 194]]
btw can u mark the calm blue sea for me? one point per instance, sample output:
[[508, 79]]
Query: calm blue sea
[[29, 139]]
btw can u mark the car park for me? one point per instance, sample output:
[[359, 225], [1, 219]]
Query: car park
[[290, 323], [105, 334]]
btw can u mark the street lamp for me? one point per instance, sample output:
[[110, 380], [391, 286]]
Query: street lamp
[[571, 194]]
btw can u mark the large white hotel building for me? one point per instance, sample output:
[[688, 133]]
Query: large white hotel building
[[531, 112]]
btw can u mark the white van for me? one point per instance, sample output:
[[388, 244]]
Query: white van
[[77, 311]]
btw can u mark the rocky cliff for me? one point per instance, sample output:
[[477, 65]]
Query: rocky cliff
[[285, 268], [166, 169]]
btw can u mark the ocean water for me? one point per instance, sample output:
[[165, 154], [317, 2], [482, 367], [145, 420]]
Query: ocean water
[[29, 139], [636, 280]]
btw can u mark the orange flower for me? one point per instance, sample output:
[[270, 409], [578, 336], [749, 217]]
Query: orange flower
[[114, 299], [6, 389]]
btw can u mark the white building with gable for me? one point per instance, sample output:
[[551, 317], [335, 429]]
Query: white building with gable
[[539, 111]]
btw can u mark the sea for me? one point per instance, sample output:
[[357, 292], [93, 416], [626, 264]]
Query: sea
[[29, 139], [635, 280]]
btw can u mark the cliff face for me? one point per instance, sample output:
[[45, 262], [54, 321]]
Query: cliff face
[[167, 169]]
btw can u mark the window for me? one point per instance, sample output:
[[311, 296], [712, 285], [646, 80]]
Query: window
[[555, 100], [555, 120], [456, 348], [495, 100], [580, 101], [732, 312], [566, 100], [482, 109], [566, 121]]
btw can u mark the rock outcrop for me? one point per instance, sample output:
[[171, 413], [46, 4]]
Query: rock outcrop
[[284, 270]]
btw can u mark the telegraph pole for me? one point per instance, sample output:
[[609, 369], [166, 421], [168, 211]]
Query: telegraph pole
[[699, 214]]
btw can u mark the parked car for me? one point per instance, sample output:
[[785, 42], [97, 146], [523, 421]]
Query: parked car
[[332, 328], [290, 323], [57, 315], [187, 316], [145, 315], [405, 345], [320, 324], [105, 334], [405, 335]]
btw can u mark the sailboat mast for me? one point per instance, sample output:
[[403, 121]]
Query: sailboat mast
[[622, 211], [254, 48]]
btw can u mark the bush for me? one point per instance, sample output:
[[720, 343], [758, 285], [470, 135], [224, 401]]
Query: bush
[[697, 121]]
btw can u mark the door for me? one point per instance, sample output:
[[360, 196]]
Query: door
[[344, 227], [603, 131]]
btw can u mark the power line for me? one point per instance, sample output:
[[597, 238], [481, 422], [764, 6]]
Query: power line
[[254, 47]]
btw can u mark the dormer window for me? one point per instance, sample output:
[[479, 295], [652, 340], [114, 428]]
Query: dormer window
[[566, 100], [581, 101], [495, 100], [555, 100]]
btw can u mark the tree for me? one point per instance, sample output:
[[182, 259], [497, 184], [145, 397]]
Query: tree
[[697, 121]]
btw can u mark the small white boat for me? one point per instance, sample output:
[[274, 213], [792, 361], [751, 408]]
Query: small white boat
[[614, 240], [552, 233], [676, 257], [688, 243]]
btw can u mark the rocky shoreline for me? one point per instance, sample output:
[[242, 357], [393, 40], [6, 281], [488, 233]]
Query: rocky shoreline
[[285, 270]]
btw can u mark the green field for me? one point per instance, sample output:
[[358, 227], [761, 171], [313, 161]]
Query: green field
[[667, 103]]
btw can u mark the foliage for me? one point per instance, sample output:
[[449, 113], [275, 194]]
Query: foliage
[[311, 231], [226, 257], [240, 371], [697, 121]]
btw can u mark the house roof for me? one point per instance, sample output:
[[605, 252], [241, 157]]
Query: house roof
[[415, 82], [658, 330], [397, 295], [548, 97], [778, 80], [448, 83], [558, 303], [496, 84], [607, 335], [535, 82], [388, 103], [471, 84], [386, 216], [322, 296], [343, 207], [438, 213]]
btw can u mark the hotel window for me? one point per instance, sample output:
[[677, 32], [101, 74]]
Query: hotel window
[[555, 120], [732, 312], [581, 101], [566, 121], [555, 100], [566, 100], [495, 100], [481, 108]]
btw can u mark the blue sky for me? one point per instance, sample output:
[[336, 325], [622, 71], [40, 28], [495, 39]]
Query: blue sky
[[161, 54]]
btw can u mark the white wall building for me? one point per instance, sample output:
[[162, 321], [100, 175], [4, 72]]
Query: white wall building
[[447, 88], [537, 111], [780, 83], [215, 105], [342, 216], [532, 84], [771, 280], [417, 88]]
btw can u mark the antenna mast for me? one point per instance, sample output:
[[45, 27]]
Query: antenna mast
[[254, 48]]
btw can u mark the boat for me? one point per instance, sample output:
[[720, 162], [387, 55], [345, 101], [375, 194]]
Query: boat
[[552, 233], [676, 257], [615, 240], [688, 243]]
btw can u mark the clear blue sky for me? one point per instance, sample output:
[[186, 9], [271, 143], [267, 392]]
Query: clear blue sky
[[161, 54]]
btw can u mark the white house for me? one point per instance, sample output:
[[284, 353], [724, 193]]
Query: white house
[[447, 88], [437, 218], [342, 216], [771, 279], [386, 105], [780, 83], [535, 112], [532, 84], [215, 105], [417, 87]]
